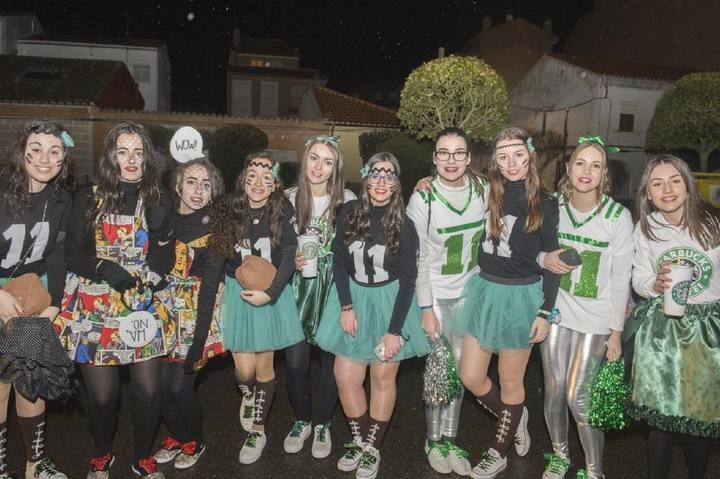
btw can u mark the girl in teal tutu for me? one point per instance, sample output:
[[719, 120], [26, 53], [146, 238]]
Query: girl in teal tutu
[[372, 317], [675, 379], [255, 220]]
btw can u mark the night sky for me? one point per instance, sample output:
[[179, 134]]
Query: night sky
[[358, 45]]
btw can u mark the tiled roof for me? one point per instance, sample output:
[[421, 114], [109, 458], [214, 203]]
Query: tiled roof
[[26, 79], [626, 70], [81, 39], [265, 46], [341, 109]]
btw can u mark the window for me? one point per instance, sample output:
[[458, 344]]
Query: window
[[257, 62], [269, 98], [627, 122], [241, 91], [141, 73], [38, 74]]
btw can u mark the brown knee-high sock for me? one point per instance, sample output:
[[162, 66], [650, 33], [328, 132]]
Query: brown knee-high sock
[[32, 430], [491, 400], [264, 394], [508, 420], [376, 432], [3, 448], [358, 426], [246, 388]]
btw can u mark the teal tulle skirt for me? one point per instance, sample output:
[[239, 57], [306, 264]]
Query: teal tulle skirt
[[676, 368], [373, 307], [248, 328], [311, 295], [500, 316]]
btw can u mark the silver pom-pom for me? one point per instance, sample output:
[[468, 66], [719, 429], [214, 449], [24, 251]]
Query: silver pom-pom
[[441, 382]]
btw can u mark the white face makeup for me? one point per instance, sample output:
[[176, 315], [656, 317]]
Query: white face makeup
[[44, 156], [667, 191], [195, 189], [259, 181], [513, 159], [586, 171], [451, 159], [319, 165], [131, 157], [382, 181]]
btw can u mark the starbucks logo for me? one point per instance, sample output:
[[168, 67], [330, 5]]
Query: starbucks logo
[[680, 292], [309, 250], [702, 266]]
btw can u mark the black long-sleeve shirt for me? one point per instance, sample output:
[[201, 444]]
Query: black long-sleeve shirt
[[191, 227], [160, 219], [369, 264], [39, 243], [515, 255]]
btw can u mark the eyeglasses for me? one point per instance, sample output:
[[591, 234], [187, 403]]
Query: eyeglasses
[[444, 155], [376, 178]]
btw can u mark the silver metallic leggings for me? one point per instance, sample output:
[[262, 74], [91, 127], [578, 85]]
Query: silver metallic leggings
[[571, 362], [443, 420]]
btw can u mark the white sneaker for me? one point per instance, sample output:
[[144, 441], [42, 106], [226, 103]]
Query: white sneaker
[[491, 464], [169, 448], [322, 441], [350, 460], [522, 435], [189, 456], [458, 459], [437, 455], [247, 412], [369, 464], [295, 440], [43, 469], [557, 466], [253, 447], [100, 467]]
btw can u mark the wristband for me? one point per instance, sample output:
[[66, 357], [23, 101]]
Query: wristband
[[425, 308], [542, 313], [346, 308]]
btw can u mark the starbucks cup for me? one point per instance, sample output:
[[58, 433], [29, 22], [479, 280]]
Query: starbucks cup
[[676, 295], [309, 245]]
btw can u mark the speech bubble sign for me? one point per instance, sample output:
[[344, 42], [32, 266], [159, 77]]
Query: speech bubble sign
[[186, 145], [138, 328]]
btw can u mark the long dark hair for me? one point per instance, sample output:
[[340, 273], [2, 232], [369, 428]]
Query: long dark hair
[[335, 185], [108, 197], [533, 188], [16, 195], [230, 220], [701, 220], [358, 227]]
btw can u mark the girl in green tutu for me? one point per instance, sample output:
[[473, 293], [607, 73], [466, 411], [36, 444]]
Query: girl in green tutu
[[372, 317], [675, 379], [255, 220]]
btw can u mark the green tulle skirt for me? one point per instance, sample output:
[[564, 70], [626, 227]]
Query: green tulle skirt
[[676, 368], [373, 307], [248, 328], [311, 296]]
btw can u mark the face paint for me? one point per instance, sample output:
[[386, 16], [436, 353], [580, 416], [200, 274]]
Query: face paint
[[513, 159], [44, 156], [131, 157], [195, 189], [382, 181], [259, 181]]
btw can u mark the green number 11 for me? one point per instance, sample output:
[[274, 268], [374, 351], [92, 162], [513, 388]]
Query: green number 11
[[454, 246], [586, 286]]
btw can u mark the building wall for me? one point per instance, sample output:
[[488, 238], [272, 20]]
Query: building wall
[[285, 107], [15, 27]]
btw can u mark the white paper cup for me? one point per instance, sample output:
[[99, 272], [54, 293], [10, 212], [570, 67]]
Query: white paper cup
[[309, 245], [675, 298]]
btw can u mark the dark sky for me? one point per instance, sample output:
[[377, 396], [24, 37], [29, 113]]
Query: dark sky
[[355, 43]]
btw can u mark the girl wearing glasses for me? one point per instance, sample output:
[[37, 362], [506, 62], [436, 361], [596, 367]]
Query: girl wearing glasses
[[449, 214], [318, 196], [375, 251], [508, 302], [120, 241], [256, 219], [35, 207]]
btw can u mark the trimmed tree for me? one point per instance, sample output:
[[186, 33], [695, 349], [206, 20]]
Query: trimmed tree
[[230, 145], [454, 91], [688, 116]]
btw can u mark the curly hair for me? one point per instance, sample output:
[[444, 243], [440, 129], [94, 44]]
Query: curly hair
[[217, 186], [358, 225], [230, 220], [566, 189], [16, 196], [533, 188], [108, 198]]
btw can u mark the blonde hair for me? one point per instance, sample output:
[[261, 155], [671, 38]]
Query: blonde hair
[[566, 189]]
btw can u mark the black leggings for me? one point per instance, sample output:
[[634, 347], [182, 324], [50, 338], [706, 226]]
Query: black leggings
[[102, 384], [297, 359], [181, 408], [660, 451]]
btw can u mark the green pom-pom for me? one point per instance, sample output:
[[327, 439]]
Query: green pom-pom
[[610, 398]]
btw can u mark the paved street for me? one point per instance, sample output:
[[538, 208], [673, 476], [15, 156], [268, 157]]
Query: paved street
[[402, 455]]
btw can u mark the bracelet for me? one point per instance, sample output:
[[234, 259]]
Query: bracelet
[[346, 308], [542, 313], [425, 308]]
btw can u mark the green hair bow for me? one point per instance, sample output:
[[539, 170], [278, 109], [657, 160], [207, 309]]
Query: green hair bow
[[598, 141], [333, 140], [364, 171]]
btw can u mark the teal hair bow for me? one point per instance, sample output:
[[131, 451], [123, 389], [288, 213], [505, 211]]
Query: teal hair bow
[[275, 169], [66, 139], [364, 171], [333, 140], [530, 146], [598, 141]]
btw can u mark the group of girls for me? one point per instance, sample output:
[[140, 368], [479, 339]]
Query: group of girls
[[490, 278]]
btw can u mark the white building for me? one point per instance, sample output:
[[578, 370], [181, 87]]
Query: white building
[[585, 96], [14, 26], [146, 59]]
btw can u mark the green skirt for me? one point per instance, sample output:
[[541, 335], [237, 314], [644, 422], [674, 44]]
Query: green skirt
[[500, 316], [675, 371], [311, 295], [247, 328], [373, 307]]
